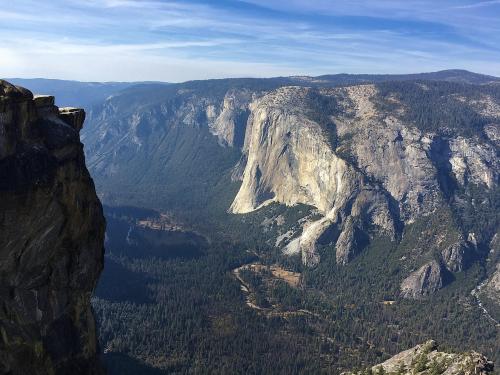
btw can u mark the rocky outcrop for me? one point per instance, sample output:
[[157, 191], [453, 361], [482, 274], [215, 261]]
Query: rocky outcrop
[[474, 162], [424, 281], [361, 167], [289, 160], [427, 359], [51, 239], [492, 287], [457, 256], [492, 131], [454, 257], [389, 151], [228, 122]]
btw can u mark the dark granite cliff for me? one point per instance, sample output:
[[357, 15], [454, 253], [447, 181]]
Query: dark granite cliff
[[51, 239]]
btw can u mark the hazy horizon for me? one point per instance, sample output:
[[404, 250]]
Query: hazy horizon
[[242, 77]]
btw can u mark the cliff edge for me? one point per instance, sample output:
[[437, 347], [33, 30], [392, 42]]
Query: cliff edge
[[51, 239]]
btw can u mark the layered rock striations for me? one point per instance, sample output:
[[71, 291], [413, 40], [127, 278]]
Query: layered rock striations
[[51, 239]]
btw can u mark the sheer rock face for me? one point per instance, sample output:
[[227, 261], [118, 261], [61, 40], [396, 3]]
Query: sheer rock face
[[457, 256], [379, 172], [424, 281], [290, 161], [228, 121], [51, 239], [388, 151], [421, 358], [492, 286], [474, 162]]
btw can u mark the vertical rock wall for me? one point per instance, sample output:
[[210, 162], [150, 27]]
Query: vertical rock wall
[[51, 239]]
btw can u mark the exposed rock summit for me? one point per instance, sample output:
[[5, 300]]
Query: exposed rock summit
[[424, 281]]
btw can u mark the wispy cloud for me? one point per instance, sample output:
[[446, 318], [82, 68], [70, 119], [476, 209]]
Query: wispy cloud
[[480, 4], [176, 40]]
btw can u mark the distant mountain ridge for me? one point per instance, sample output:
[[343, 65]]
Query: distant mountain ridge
[[451, 75], [89, 93], [70, 92]]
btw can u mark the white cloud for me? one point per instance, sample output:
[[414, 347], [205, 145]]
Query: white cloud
[[82, 60], [77, 47], [480, 4], [90, 62]]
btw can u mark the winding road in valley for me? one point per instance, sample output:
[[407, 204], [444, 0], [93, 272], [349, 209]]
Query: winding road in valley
[[291, 278]]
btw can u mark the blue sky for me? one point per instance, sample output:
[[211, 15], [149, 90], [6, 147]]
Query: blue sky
[[135, 40]]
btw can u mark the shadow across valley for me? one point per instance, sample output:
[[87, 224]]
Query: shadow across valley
[[117, 363], [119, 284], [124, 236]]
